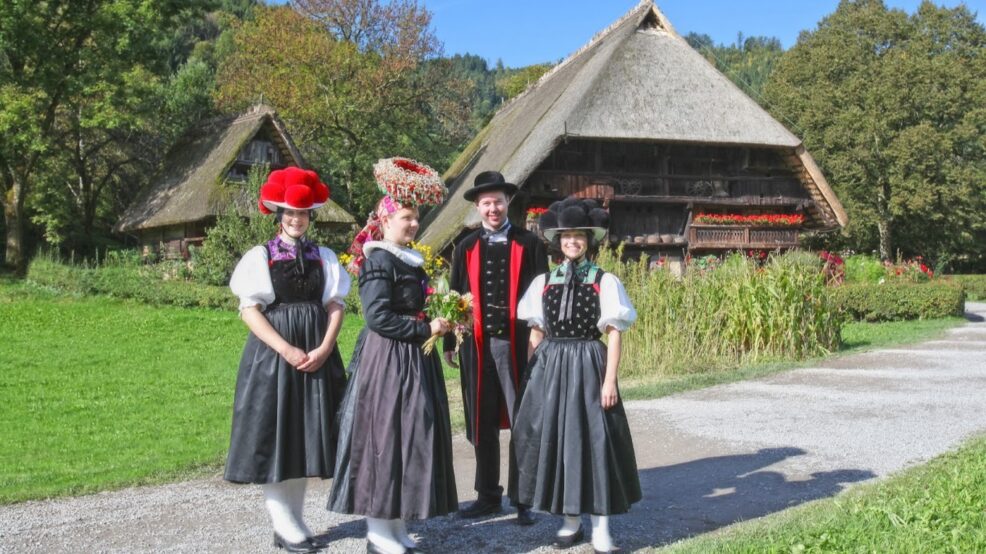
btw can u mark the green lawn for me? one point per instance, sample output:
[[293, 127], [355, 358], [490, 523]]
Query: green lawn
[[100, 393], [937, 507]]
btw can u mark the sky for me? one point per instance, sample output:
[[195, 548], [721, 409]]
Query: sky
[[525, 32]]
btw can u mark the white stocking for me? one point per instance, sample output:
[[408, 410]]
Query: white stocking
[[296, 490], [570, 526], [600, 534], [400, 532], [381, 533], [277, 498]]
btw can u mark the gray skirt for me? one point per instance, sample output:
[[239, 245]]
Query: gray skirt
[[573, 457], [283, 419], [395, 440]]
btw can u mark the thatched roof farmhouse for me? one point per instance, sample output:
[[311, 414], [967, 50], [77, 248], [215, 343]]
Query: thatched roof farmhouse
[[204, 174], [640, 120]]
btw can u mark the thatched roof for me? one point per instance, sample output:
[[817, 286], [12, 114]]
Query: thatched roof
[[190, 186], [636, 80]]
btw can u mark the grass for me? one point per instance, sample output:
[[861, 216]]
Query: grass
[[937, 507], [856, 337], [100, 394]]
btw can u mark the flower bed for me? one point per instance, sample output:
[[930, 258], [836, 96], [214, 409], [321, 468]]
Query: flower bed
[[755, 220]]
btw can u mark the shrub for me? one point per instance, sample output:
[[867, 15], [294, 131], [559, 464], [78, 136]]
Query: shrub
[[736, 313], [139, 283], [861, 268], [973, 285], [900, 301]]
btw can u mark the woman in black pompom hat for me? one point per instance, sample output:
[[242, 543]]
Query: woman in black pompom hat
[[574, 450]]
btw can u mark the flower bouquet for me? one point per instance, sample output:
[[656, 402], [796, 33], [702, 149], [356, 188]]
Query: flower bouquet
[[448, 304]]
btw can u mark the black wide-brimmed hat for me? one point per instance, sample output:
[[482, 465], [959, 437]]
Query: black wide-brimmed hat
[[574, 214], [489, 181]]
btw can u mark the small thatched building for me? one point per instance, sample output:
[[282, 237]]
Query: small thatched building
[[641, 121], [205, 173]]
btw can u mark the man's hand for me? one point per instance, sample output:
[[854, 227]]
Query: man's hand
[[450, 358]]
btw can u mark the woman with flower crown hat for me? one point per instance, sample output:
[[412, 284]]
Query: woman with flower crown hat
[[395, 441], [291, 377], [571, 436]]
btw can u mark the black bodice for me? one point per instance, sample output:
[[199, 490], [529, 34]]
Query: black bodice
[[291, 287], [393, 297], [585, 313]]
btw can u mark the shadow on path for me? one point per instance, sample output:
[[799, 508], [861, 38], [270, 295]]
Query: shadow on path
[[973, 317], [683, 500], [703, 495]]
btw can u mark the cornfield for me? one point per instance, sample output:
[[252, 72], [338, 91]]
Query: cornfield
[[737, 313]]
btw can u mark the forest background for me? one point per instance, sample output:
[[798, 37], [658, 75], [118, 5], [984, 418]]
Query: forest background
[[93, 93]]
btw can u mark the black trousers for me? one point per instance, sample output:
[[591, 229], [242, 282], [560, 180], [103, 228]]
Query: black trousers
[[498, 391]]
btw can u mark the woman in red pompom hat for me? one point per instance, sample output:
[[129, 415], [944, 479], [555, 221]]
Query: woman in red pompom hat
[[291, 376]]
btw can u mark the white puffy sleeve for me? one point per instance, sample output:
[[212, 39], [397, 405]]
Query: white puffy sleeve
[[531, 308], [337, 280], [251, 279], [615, 308]]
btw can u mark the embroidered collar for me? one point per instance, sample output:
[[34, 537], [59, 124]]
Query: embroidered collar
[[409, 256], [282, 249], [585, 272]]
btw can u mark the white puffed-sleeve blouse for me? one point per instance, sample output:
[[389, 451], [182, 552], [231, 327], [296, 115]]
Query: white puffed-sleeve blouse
[[251, 279], [615, 308]]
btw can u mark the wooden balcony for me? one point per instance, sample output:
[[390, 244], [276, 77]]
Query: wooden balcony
[[739, 237]]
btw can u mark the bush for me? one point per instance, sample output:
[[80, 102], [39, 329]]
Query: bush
[[900, 301], [144, 284], [861, 268], [973, 285], [739, 312]]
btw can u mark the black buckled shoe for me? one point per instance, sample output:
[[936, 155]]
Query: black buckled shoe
[[524, 516], [568, 541], [481, 508], [304, 546]]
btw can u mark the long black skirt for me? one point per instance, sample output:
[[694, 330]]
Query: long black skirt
[[573, 457], [283, 419], [395, 439]]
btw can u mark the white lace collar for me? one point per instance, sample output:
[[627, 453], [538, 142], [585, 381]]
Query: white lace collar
[[409, 256]]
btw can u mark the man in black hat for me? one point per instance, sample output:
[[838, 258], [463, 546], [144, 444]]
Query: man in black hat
[[496, 263]]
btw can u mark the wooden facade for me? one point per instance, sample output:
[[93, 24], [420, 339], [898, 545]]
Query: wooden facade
[[653, 190]]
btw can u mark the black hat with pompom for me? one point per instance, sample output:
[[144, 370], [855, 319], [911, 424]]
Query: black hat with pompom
[[572, 214]]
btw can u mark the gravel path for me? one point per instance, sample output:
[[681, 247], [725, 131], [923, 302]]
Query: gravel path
[[707, 458]]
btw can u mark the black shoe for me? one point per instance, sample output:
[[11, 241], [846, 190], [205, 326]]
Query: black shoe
[[524, 516], [320, 541], [481, 508], [569, 541], [610, 551], [304, 546]]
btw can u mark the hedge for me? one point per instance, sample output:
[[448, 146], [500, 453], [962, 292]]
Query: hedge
[[128, 282], [900, 301], [973, 285], [142, 283]]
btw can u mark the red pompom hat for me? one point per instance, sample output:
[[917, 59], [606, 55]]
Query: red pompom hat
[[292, 188]]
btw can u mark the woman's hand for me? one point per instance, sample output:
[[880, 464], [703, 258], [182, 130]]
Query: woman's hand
[[316, 359], [294, 356], [439, 326], [609, 395]]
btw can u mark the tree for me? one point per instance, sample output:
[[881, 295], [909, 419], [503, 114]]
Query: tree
[[62, 58], [748, 63], [512, 84], [354, 86], [894, 109]]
